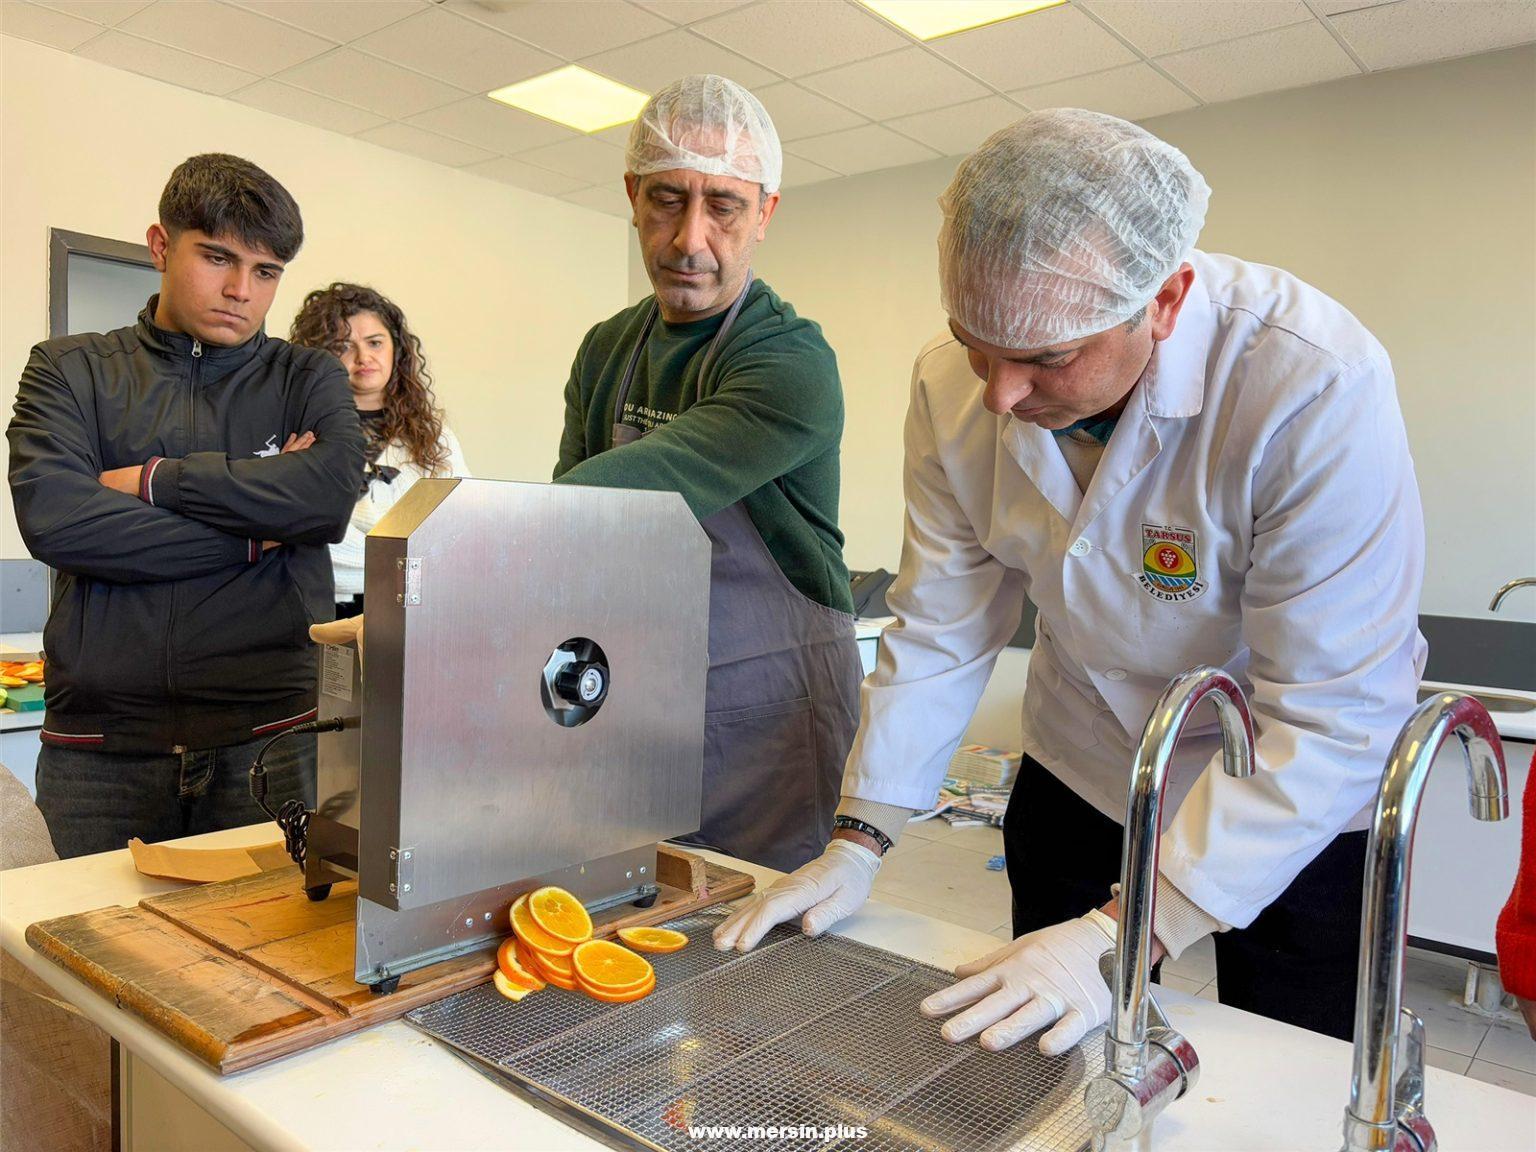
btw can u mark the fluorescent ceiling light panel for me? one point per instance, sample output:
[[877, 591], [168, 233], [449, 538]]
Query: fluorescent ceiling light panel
[[575, 97], [930, 19]]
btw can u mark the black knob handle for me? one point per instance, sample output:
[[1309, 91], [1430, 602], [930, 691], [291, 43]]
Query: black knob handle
[[583, 683]]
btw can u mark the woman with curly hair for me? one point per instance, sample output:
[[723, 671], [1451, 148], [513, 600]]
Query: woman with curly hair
[[402, 424]]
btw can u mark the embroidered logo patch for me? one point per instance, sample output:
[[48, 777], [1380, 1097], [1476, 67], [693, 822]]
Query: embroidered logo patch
[[1168, 568]]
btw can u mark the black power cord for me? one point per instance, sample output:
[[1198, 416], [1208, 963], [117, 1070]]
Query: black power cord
[[293, 816]]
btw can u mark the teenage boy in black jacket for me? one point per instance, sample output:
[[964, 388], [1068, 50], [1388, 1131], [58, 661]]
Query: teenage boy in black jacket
[[183, 477]]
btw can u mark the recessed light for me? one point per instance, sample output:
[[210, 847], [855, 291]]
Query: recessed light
[[575, 97], [930, 19]]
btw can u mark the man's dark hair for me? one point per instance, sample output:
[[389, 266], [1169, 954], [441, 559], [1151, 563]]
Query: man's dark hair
[[223, 195]]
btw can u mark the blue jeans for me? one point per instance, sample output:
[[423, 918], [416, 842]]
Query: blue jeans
[[97, 801]]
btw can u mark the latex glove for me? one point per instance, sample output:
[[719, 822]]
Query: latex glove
[[829, 888], [1042, 978], [340, 632]]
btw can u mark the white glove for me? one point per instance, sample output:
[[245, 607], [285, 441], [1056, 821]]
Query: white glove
[[830, 887], [340, 632], [1045, 977]]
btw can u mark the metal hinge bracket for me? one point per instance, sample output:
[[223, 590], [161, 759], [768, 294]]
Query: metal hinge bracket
[[402, 871], [409, 583]]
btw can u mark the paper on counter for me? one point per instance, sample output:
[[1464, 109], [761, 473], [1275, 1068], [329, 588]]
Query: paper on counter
[[206, 865]]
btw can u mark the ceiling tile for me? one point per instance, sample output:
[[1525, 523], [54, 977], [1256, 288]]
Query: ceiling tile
[[505, 170], [585, 158], [457, 51], [1334, 7], [45, 26], [799, 172], [1178, 25], [296, 104], [618, 135], [338, 22], [687, 11], [1268, 62], [603, 198], [370, 83], [1036, 49], [568, 30], [1416, 31], [655, 63], [795, 37], [956, 131], [224, 33], [1134, 92], [487, 124], [427, 145], [797, 112], [862, 149], [174, 67], [98, 11], [897, 84]]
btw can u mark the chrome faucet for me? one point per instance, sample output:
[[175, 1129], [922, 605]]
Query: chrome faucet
[[1148, 1068], [1386, 1109], [1517, 582]]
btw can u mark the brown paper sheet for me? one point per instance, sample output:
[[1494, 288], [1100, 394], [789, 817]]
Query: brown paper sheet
[[205, 865]]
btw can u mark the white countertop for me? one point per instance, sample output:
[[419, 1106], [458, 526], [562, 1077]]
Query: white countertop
[[20, 645], [1263, 1086]]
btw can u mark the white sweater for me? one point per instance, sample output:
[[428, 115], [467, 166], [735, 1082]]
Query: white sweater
[[347, 557]]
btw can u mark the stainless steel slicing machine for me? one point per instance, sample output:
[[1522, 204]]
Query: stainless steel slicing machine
[[532, 713]]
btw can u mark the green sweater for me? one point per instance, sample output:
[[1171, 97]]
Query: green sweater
[[766, 432]]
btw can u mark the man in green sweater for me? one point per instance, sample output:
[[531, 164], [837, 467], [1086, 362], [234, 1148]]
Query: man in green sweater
[[714, 388]]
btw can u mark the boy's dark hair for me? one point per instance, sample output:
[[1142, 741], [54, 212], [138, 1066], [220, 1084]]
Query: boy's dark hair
[[224, 195]]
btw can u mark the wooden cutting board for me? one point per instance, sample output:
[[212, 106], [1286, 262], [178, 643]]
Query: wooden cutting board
[[242, 972]]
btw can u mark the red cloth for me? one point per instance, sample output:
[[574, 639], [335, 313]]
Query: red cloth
[[1516, 933]]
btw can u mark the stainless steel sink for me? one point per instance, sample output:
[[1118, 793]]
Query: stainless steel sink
[[1493, 701]]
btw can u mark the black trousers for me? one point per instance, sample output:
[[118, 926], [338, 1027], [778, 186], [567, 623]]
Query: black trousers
[[1295, 963]]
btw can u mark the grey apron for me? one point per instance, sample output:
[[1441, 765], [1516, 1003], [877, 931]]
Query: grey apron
[[782, 696]]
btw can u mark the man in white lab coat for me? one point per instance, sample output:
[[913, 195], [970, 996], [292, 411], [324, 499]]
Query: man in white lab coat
[[1181, 459]]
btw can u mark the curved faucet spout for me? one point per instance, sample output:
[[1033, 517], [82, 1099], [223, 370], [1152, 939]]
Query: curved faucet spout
[[1377, 1109], [1505, 590], [1143, 821], [1149, 1068]]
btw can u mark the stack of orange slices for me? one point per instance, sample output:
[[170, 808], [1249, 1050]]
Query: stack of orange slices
[[552, 944]]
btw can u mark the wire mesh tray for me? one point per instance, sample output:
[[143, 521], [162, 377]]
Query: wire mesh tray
[[800, 1044]]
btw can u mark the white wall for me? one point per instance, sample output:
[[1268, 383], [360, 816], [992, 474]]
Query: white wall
[[1410, 196], [499, 283]]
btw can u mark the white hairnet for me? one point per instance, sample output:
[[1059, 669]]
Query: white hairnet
[[706, 124], [1063, 225]]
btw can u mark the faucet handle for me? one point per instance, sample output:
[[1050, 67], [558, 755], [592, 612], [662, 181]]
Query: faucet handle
[[1409, 1091]]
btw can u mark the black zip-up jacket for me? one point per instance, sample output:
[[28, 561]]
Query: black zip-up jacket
[[171, 629]]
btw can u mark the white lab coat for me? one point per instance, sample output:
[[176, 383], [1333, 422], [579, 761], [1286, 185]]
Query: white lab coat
[[1267, 431], [347, 556]]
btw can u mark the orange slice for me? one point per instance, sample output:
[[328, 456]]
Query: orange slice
[[624, 997], [560, 965], [603, 966], [512, 967], [534, 936], [653, 939], [553, 977], [508, 989], [527, 957], [560, 915]]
